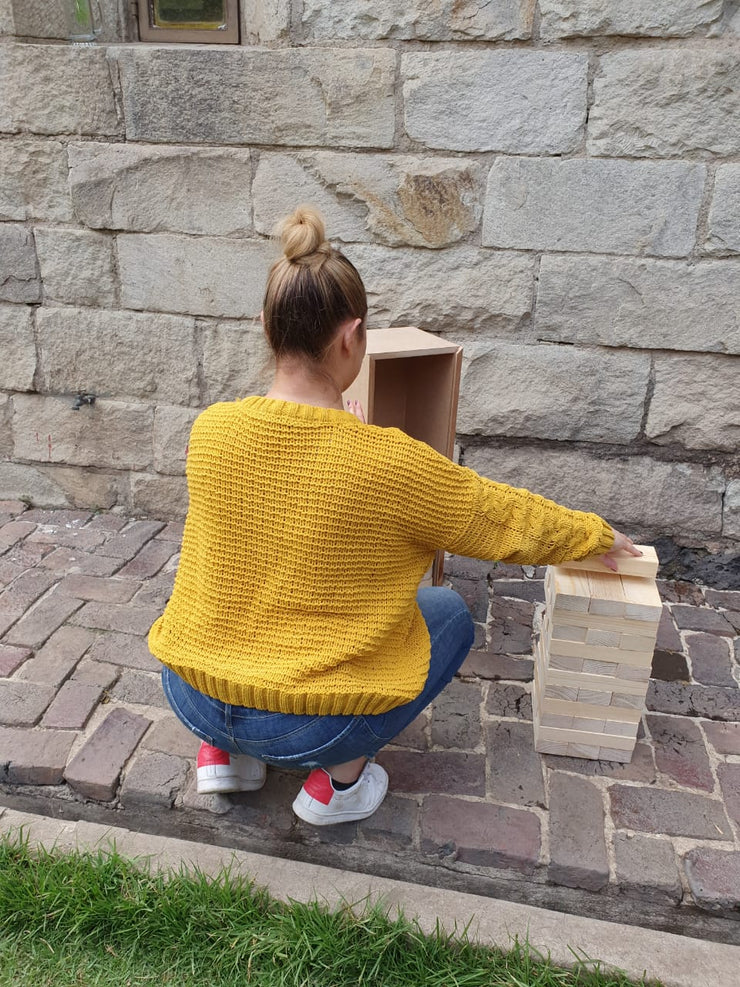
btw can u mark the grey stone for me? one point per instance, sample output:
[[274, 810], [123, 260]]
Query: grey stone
[[729, 779], [56, 486], [129, 650], [159, 496], [57, 89], [655, 304], [509, 700], [520, 102], [731, 510], [450, 20], [7, 24], [33, 180], [714, 878], [265, 20], [171, 431], [537, 391], [197, 95], [76, 266], [153, 779], [49, 19], [17, 346], [95, 769], [577, 846], [711, 661], [166, 272], [138, 355], [236, 361], [680, 751], [515, 769], [582, 204], [640, 768], [683, 497], [714, 702], [647, 868], [150, 189], [723, 235], [393, 824], [43, 619], [668, 19], [674, 813], [108, 433], [23, 703], [456, 716], [19, 279], [696, 402], [169, 736], [34, 757], [662, 102], [463, 286], [393, 200], [139, 688]]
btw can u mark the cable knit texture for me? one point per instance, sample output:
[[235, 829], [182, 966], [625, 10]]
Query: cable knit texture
[[305, 541]]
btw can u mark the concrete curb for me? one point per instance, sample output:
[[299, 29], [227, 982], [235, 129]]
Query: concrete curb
[[677, 961]]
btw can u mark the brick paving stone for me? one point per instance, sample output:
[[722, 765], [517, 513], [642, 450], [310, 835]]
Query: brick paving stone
[[578, 857], [43, 619], [680, 752], [58, 657], [714, 878], [96, 673], [435, 771], [509, 700], [414, 735], [11, 659], [640, 768], [56, 516], [734, 618], [729, 780], [727, 599], [124, 617], [668, 638], [34, 757], [485, 665], [72, 706], [680, 591], [481, 833], [105, 521], [9, 571], [14, 531], [669, 666], [142, 688], [127, 542], [216, 804], [515, 767], [268, 811], [391, 826], [95, 769], [532, 590], [13, 507], [27, 554], [724, 737], [466, 568], [171, 532], [456, 716], [475, 594], [78, 539], [655, 810], [153, 778], [22, 704], [701, 619], [169, 736], [155, 592], [149, 560], [21, 594], [711, 660], [124, 649], [710, 701], [99, 589], [72, 562], [511, 626], [647, 868]]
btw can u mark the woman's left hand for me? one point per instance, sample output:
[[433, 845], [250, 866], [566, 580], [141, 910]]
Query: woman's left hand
[[355, 408], [621, 543]]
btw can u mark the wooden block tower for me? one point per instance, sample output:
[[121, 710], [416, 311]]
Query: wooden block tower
[[594, 655]]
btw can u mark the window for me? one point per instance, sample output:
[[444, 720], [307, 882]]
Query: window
[[201, 21]]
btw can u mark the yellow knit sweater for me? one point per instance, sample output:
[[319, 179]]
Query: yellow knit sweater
[[305, 541]]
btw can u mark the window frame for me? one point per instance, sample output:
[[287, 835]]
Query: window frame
[[149, 33]]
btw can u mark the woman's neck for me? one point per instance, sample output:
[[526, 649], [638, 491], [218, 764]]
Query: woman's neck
[[303, 384]]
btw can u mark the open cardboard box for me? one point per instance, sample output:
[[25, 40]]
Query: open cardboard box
[[410, 379]]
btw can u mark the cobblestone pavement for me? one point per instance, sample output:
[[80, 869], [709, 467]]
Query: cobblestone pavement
[[85, 732]]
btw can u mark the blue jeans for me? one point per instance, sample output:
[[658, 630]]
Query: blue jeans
[[296, 741]]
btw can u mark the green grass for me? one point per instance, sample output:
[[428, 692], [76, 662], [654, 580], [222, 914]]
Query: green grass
[[73, 920]]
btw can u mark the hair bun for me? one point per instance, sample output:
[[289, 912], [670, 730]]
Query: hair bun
[[303, 234]]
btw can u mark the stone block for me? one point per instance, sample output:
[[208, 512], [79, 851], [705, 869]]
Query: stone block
[[485, 665], [729, 779], [127, 618], [669, 19], [670, 666], [647, 868], [236, 361], [197, 95], [519, 102], [456, 716], [701, 619], [712, 701], [151, 189], [33, 180], [619, 301], [666, 102], [724, 737], [483, 289], [11, 659], [731, 510], [511, 626], [451, 772], [392, 826], [17, 345], [57, 658], [538, 391], [77, 266], [19, 278], [578, 857], [641, 768], [57, 89], [148, 562], [584, 204], [22, 704], [194, 275], [265, 21], [128, 540], [108, 433], [680, 752], [506, 699], [399, 200], [40, 622], [98, 588], [96, 673], [153, 779], [7, 24], [49, 19], [21, 594], [171, 432], [711, 659], [516, 772], [481, 834], [696, 402], [414, 736], [170, 737], [72, 706], [723, 234], [683, 497], [159, 496], [95, 769], [34, 757], [118, 353], [673, 813], [714, 879], [450, 20], [120, 648]]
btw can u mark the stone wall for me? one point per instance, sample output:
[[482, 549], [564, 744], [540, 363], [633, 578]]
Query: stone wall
[[554, 184]]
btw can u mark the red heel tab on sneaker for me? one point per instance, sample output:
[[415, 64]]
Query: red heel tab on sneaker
[[318, 785], [208, 756]]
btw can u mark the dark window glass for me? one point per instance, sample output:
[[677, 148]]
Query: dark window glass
[[198, 15]]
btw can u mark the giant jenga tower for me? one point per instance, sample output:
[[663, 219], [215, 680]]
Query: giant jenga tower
[[593, 656]]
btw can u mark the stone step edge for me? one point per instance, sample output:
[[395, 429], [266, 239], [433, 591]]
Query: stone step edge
[[678, 961]]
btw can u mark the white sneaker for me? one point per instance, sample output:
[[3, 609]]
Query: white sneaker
[[320, 804], [219, 771]]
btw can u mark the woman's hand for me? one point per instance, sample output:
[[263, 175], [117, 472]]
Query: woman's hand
[[621, 543], [355, 408]]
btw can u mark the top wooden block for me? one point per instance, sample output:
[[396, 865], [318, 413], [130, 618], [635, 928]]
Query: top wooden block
[[628, 565], [406, 341]]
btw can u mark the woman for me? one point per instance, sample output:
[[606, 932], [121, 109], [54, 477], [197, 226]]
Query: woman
[[295, 635]]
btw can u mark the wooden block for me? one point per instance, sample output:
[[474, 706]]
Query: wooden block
[[633, 674], [600, 667], [631, 642], [583, 750], [581, 723], [561, 692], [574, 649], [625, 625], [594, 697], [583, 737], [607, 596], [550, 747], [642, 599], [600, 683], [555, 720], [568, 632], [565, 663], [645, 565], [604, 638], [571, 591], [628, 700], [613, 714], [618, 729], [610, 754]]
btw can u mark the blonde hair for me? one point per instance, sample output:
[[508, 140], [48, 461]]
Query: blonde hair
[[311, 289]]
